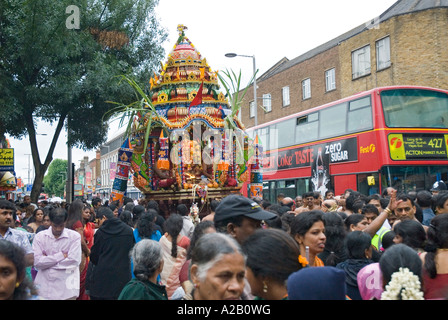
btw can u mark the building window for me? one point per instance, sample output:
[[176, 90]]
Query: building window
[[252, 109], [330, 80], [306, 89], [383, 53], [361, 62], [267, 102], [285, 96]]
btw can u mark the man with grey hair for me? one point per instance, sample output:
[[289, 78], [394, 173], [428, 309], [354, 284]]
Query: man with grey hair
[[288, 202]]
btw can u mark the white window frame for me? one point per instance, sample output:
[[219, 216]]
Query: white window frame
[[285, 96], [267, 102], [252, 109], [383, 53], [330, 79], [361, 65], [306, 89]]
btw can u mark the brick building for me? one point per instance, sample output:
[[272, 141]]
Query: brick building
[[405, 45], [87, 175]]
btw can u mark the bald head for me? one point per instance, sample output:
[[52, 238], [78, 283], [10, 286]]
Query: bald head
[[287, 201]]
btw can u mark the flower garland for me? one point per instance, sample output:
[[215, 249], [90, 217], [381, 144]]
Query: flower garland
[[303, 261], [404, 285]]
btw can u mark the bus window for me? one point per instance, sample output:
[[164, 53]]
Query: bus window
[[360, 115], [251, 134], [303, 185], [415, 108], [266, 191], [368, 183], [333, 121], [285, 130], [307, 128], [287, 187], [263, 136], [413, 178]]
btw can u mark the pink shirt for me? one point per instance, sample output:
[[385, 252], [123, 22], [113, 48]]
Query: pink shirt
[[57, 277]]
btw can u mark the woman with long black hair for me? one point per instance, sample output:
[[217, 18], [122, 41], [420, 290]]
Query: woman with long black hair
[[174, 248]]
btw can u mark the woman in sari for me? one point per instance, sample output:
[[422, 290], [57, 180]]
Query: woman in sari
[[308, 229], [89, 225]]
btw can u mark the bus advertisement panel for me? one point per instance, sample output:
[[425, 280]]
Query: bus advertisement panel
[[385, 137]]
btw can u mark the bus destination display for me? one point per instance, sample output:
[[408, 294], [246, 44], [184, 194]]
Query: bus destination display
[[414, 146]]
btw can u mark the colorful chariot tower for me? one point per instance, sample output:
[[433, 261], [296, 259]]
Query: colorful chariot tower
[[196, 148]]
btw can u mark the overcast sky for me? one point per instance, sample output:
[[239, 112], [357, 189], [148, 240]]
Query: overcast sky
[[268, 30]]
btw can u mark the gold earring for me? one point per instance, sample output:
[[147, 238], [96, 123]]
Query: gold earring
[[265, 287], [17, 284]]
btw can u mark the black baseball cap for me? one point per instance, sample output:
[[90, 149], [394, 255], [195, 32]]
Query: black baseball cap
[[238, 205]]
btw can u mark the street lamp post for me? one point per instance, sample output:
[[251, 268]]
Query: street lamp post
[[105, 173], [69, 187], [233, 55], [29, 168]]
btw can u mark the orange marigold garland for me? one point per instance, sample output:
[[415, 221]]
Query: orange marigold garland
[[303, 261]]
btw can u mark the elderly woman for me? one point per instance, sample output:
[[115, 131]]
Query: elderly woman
[[217, 268], [148, 263]]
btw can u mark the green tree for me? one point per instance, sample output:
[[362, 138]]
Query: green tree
[[59, 62], [54, 180]]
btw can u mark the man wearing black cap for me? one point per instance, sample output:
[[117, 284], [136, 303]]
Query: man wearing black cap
[[239, 217]]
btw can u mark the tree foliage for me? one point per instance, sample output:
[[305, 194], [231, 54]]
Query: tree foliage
[[64, 75], [54, 180]]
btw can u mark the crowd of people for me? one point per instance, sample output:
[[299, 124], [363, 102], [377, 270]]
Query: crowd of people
[[385, 246]]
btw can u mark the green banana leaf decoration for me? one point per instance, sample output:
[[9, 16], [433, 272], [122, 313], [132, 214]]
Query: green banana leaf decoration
[[231, 83], [127, 112]]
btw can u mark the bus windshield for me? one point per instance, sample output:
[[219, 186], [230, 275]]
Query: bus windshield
[[415, 108]]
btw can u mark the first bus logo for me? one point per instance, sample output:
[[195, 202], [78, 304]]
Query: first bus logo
[[396, 142], [368, 149]]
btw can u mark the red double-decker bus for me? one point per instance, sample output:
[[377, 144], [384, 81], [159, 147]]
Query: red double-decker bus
[[386, 137]]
